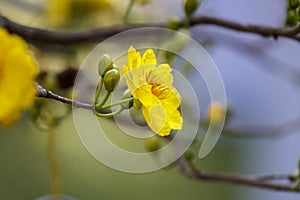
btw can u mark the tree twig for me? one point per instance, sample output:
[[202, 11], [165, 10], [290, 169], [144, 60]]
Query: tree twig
[[262, 181], [36, 35], [266, 31], [44, 93]]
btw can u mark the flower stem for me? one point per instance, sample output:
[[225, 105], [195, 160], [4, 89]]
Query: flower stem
[[117, 103], [56, 178], [128, 11], [98, 91], [187, 22], [103, 101], [109, 114]]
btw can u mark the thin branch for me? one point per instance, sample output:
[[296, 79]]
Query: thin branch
[[44, 93], [42, 36], [266, 31], [255, 132], [262, 181], [36, 35], [253, 181]]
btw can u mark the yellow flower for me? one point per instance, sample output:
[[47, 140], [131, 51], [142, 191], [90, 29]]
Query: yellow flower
[[18, 70], [61, 12], [215, 112], [152, 86]]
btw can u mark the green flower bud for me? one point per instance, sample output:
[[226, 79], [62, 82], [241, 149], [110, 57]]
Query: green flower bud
[[291, 18], [111, 79], [190, 6], [152, 144], [126, 95], [293, 177], [105, 64], [294, 4], [173, 23]]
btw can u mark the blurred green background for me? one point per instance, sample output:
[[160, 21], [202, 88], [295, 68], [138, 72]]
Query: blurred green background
[[24, 170]]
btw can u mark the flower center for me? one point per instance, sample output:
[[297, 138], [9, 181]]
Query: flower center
[[158, 89]]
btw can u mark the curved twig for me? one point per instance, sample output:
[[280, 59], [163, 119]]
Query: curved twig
[[36, 35], [262, 181], [44, 93]]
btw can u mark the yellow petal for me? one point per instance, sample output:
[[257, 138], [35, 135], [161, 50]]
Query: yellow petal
[[162, 75], [146, 114], [128, 79], [146, 97], [138, 77], [125, 69], [175, 120], [134, 58], [156, 118], [170, 99], [165, 131], [149, 57]]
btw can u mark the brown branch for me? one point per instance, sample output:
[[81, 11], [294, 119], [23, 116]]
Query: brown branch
[[42, 36], [36, 35], [235, 131], [44, 93], [262, 182], [266, 31]]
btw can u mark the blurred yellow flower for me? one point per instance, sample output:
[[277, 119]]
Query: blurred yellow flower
[[18, 70], [215, 112], [152, 86], [61, 12]]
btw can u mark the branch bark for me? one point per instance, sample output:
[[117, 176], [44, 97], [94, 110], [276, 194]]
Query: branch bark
[[44, 93], [42, 36], [262, 181]]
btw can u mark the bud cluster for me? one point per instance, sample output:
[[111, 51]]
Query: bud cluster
[[109, 77], [109, 72], [293, 13]]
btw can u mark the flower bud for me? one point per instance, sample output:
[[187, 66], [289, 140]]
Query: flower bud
[[111, 79], [173, 23], [152, 144], [293, 4], [126, 95], [190, 6], [215, 113], [291, 18], [105, 64]]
